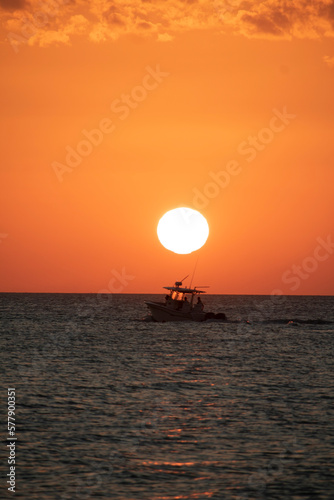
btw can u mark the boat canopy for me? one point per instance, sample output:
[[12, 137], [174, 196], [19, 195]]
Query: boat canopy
[[183, 290]]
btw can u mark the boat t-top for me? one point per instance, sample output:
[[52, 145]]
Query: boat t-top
[[181, 304]]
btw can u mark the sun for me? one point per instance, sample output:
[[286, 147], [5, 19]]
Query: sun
[[183, 230]]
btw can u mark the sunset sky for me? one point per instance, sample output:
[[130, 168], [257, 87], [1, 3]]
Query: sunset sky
[[114, 112]]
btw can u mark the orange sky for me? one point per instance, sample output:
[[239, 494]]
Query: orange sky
[[203, 84]]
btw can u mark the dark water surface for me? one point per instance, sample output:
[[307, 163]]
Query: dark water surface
[[110, 406]]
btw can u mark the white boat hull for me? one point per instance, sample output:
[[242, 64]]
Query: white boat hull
[[161, 312]]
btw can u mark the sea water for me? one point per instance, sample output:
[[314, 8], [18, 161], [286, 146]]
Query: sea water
[[111, 405]]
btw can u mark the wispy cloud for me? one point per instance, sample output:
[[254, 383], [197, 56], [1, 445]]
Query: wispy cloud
[[56, 21], [329, 60], [278, 18]]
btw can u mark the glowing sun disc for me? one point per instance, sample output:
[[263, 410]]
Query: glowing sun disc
[[183, 230]]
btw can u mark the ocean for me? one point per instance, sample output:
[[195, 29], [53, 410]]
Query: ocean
[[110, 405]]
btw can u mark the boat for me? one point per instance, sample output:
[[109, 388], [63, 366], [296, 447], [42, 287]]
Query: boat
[[177, 306]]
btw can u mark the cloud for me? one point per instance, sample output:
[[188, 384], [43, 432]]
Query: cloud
[[329, 60], [45, 38], [278, 18], [12, 4], [56, 21], [77, 25], [165, 37]]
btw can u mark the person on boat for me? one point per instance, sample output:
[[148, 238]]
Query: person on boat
[[168, 301], [199, 305], [186, 306]]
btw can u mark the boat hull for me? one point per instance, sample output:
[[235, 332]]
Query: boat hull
[[160, 312]]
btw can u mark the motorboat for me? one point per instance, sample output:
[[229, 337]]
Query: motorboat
[[182, 304]]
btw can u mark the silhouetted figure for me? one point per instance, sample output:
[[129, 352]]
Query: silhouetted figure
[[199, 304], [186, 306]]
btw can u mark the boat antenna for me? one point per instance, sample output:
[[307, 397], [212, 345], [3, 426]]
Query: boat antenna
[[194, 271]]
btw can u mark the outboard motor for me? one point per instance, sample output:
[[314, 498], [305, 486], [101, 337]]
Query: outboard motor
[[221, 316]]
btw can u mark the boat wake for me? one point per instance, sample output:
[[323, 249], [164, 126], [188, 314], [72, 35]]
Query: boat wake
[[220, 317], [287, 321]]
